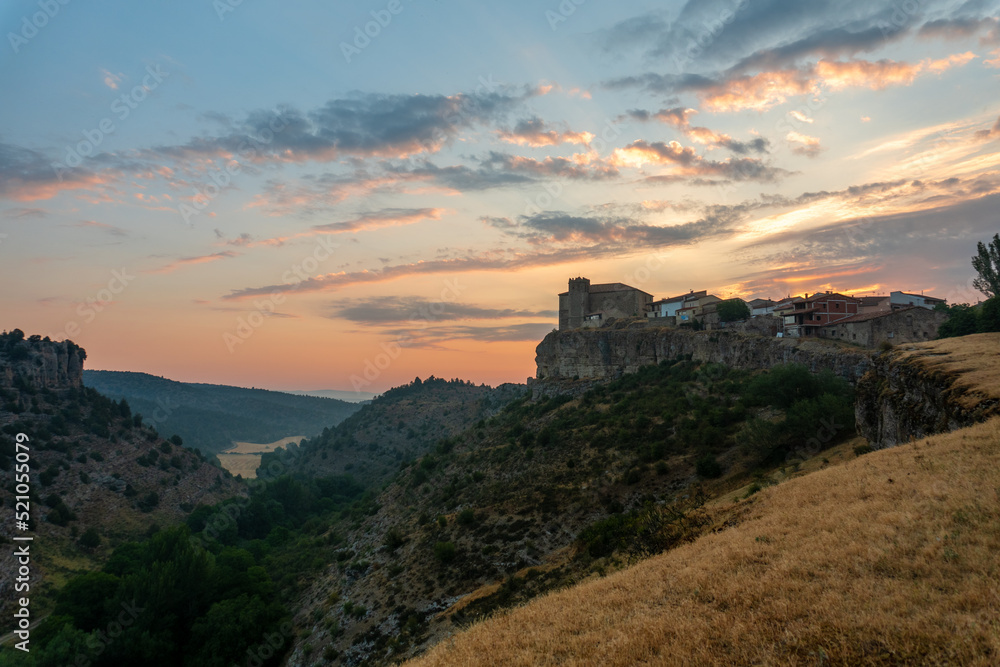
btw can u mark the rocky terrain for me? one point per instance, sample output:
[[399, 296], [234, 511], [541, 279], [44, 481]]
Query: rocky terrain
[[609, 352], [94, 470], [926, 388]]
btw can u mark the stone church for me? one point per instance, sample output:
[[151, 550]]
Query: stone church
[[586, 305]]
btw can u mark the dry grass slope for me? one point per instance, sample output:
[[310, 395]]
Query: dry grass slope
[[974, 360], [889, 559]]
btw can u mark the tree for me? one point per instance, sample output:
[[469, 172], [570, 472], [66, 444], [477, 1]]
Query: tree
[[987, 265], [989, 315], [733, 310], [961, 321], [90, 538]]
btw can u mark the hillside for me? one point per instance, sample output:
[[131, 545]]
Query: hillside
[[551, 491], [211, 417], [398, 426], [93, 468], [889, 559]]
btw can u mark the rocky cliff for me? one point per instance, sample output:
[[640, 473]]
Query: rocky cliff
[[40, 363], [928, 388], [609, 352]]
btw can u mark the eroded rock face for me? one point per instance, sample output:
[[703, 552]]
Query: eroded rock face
[[43, 364], [609, 352], [899, 399]]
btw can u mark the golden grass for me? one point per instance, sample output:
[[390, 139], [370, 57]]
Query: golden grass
[[255, 448], [975, 358], [890, 558], [243, 458], [240, 464]]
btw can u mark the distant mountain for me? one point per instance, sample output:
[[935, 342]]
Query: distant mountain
[[210, 417], [399, 425], [349, 396]]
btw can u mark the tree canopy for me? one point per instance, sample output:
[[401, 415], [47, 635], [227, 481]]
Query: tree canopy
[[987, 264]]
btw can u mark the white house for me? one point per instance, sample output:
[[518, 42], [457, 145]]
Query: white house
[[905, 299]]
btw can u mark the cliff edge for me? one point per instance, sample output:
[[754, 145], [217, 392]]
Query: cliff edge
[[928, 388], [610, 352]]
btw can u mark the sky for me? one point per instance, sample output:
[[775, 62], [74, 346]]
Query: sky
[[349, 195]]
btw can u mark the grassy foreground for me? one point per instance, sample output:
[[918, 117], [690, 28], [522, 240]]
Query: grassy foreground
[[891, 558]]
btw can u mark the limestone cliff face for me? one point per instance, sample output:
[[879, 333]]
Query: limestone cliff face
[[609, 352], [40, 363], [927, 388]]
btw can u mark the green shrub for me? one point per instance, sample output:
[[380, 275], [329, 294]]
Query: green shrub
[[860, 450], [90, 539], [707, 466], [444, 551]]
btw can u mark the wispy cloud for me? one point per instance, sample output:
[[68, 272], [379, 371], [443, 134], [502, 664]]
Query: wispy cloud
[[679, 117], [385, 310], [103, 226], [189, 261], [684, 161]]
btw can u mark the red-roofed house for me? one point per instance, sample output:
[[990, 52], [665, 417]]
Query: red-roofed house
[[805, 316]]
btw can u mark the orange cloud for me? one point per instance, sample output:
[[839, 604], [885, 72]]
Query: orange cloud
[[764, 90], [187, 261], [758, 92], [27, 190], [392, 217], [804, 144], [535, 133]]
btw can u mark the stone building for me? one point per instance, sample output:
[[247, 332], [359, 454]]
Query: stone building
[[586, 305], [912, 324]]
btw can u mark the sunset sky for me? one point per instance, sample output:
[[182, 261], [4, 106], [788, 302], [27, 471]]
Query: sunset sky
[[349, 195]]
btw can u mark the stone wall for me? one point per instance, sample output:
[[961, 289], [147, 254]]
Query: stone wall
[[626, 346]]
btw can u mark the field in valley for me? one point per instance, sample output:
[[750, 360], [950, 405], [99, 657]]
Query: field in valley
[[243, 458]]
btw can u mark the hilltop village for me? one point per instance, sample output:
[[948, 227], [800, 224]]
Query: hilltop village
[[868, 321]]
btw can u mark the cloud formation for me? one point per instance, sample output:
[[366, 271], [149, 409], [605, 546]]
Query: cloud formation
[[536, 133], [679, 117], [685, 162], [189, 261], [385, 310]]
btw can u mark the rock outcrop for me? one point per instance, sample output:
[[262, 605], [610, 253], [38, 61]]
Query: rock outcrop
[[611, 351], [929, 388], [40, 363]]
